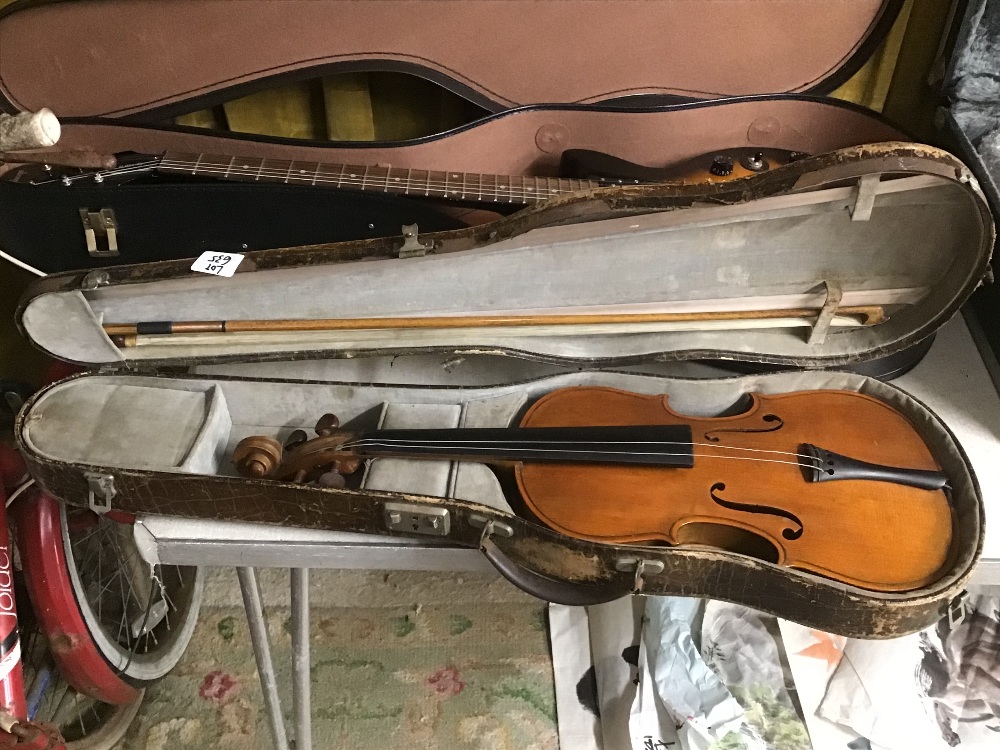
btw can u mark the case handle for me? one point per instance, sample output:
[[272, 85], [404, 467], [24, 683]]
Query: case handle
[[549, 589]]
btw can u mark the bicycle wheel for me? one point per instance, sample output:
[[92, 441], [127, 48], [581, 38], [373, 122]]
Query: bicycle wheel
[[141, 619], [85, 723], [92, 590]]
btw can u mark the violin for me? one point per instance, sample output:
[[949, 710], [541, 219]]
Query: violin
[[834, 483]]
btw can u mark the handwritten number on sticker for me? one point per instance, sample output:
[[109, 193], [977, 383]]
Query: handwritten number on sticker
[[217, 264]]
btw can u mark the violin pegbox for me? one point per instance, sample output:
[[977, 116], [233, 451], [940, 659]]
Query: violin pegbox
[[322, 460]]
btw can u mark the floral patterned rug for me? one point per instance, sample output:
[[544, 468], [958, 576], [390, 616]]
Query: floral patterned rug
[[469, 675]]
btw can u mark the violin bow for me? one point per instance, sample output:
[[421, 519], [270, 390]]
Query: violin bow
[[134, 334]]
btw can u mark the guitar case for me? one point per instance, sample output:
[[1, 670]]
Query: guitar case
[[654, 82], [633, 78]]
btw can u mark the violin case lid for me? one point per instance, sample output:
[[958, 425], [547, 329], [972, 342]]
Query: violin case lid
[[900, 226], [498, 53]]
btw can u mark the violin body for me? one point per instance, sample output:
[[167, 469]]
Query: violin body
[[617, 467], [876, 535]]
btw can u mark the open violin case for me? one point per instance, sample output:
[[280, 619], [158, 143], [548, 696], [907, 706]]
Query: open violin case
[[869, 219]]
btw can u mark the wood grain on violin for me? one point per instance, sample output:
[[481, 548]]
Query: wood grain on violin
[[834, 483]]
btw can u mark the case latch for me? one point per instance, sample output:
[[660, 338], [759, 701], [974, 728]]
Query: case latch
[[100, 491], [100, 224], [412, 247], [957, 609], [417, 519]]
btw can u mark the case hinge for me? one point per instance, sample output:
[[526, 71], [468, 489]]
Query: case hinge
[[412, 247], [490, 526], [100, 491], [95, 280], [100, 224], [417, 519], [641, 566]]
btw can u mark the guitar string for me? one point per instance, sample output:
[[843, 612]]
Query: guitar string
[[380, 181], [352, 178], [387, 183], [411, 185]]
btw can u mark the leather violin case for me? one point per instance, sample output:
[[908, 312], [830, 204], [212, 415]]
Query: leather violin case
[[653, 82], [153, 425]]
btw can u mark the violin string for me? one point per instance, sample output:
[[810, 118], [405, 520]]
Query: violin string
[[492, 445], [695, 455]]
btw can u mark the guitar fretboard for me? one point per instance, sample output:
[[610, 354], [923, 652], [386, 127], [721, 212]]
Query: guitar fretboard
[[458, 186]]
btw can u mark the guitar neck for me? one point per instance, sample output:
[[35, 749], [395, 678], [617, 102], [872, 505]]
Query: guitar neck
[[457, 186]]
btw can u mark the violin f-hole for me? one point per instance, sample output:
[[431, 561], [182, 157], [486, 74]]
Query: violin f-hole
[[775, 423], [790, 533]]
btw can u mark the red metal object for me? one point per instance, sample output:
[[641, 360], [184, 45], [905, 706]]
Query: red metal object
[[47, 576], [12, 469], [11, 678], [27, 735]]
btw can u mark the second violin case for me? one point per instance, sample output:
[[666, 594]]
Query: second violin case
[[655, 83], [822, 496]]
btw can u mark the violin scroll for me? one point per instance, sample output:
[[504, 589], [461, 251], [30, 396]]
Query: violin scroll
[[257, 456], [323, 460]]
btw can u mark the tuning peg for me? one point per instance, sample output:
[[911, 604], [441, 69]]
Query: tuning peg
[[347, 464], [295, 439], [327, 425], [332, 479]]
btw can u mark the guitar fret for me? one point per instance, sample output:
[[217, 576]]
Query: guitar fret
[[475, 186]]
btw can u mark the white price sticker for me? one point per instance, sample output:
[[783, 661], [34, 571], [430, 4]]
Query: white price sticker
[[217, 264]]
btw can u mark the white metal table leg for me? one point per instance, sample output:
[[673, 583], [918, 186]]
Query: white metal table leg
[[301, 667], [254, 605]]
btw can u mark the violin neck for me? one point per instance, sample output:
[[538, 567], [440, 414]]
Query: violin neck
[[651, 445], [458, 186]]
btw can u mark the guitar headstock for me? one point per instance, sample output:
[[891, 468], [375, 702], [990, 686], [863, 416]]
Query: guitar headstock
[[70, 168]]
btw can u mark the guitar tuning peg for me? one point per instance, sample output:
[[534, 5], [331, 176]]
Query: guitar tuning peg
[[295, 439], [332, 479], [327, 425]]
